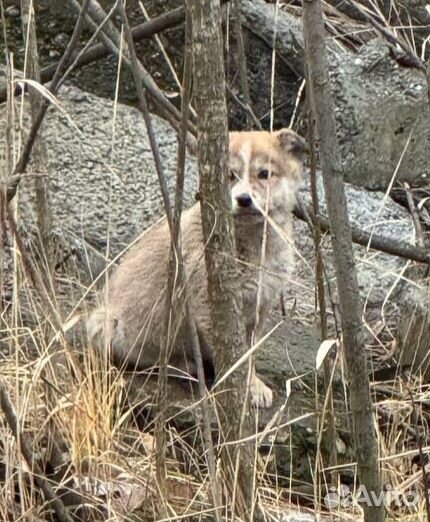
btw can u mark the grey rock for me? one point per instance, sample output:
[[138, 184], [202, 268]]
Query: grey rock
[[379, 275], [103, 185], [104, 191], [382, 113], [381, 107]]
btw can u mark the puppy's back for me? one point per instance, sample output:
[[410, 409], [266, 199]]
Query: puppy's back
[[131, 321]]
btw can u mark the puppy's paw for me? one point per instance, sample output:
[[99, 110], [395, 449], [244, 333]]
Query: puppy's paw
[[261, 395]]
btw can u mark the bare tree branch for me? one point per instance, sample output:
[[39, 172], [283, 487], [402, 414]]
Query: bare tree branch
[[41, 183], [366, 447], [375, 241], [160, 435], [320, 273], [100, 51], [111, 38]]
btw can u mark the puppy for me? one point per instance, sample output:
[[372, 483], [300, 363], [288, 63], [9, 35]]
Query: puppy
[[266, 170]]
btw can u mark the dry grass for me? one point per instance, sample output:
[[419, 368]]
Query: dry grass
[[61, 392]]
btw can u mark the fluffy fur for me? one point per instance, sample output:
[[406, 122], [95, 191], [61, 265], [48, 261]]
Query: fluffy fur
[[266, 170]]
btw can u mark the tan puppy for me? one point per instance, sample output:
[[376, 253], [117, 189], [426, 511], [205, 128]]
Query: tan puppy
[[266, 170]]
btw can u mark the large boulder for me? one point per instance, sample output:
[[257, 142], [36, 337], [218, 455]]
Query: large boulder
[[104, 192], [382, 112], [103, 183], [381, 106], [379, 275]]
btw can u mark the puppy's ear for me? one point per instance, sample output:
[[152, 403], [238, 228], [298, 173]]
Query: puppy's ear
[[291, 142]]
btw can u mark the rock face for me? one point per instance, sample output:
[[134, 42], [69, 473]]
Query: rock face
[[104, 187], [382, 110], [382, 107], [104, 193], [379, 275]]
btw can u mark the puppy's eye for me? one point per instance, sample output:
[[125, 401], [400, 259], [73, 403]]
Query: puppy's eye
[[263, 174], [233, 175]]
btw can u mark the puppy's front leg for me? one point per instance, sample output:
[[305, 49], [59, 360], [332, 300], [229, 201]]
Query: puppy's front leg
[[261, 395]]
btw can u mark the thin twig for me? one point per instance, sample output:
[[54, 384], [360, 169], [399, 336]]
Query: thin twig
[[41, 205], [192, 112], [415, 217], [321, 305], [246, 107], [143, 106], [160, 435]]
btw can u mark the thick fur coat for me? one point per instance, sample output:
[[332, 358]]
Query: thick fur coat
[[266, 170]]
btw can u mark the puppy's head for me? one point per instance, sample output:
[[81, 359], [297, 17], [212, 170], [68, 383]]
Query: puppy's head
[[265, 170]]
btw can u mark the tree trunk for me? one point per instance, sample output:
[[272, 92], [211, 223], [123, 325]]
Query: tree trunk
[[223, 279], [366, 448]]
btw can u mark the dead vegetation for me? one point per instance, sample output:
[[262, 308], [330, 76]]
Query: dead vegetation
[[77, 435]]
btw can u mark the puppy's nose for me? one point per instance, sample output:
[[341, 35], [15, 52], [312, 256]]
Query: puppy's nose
[[244, 200]]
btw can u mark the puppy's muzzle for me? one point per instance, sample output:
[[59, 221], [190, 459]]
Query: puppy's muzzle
[[244, 200]]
